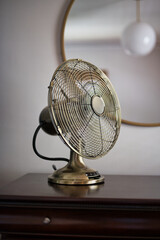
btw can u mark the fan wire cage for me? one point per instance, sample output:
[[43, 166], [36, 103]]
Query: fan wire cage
[[84, 108]]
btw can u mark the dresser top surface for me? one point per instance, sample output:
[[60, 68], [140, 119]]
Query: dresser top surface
[[116, 190]]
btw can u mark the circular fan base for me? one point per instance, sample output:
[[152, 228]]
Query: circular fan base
[[76, 173]]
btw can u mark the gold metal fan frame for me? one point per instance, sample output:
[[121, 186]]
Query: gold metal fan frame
[[53, 117], [76, 172]]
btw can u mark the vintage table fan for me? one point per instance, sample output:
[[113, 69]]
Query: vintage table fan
[[84, 109]]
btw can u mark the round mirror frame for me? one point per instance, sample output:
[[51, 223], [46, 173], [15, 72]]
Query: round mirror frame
[[124, 121]]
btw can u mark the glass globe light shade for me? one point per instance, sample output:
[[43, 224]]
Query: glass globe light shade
[[138, 39]]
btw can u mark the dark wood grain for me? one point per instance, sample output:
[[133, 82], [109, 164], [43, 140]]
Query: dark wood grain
[[123, 207], [36, 187]]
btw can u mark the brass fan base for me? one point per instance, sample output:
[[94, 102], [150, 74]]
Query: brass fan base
[[76, 173]]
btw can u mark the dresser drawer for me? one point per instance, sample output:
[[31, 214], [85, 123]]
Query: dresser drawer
[[53, 221], [79, 222]]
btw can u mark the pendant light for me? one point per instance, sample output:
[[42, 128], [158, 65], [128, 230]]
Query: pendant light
[[139, 38]]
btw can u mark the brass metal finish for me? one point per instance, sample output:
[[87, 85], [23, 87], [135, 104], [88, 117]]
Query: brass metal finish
[[74, 191], [76, 173], [74, 85], [138, 124], [97, 105], [63, 29], [85, 111]]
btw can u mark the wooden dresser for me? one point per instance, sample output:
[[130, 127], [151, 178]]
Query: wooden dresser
[[125, 207]]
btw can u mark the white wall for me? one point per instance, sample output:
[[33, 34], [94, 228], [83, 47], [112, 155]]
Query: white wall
[[29, 54]]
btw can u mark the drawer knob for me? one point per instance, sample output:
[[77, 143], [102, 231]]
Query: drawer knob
[[46, 220]]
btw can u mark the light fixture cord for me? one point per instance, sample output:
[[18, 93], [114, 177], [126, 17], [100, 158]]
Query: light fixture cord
[[38, 154], [138, 15]]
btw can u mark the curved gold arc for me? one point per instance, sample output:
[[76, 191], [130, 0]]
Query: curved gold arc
[[124, 121], [140, 124], [63, 29]]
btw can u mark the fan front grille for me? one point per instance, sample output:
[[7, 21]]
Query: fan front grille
[[74, 85]]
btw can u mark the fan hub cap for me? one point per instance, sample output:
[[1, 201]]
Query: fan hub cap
[[97, 104]]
